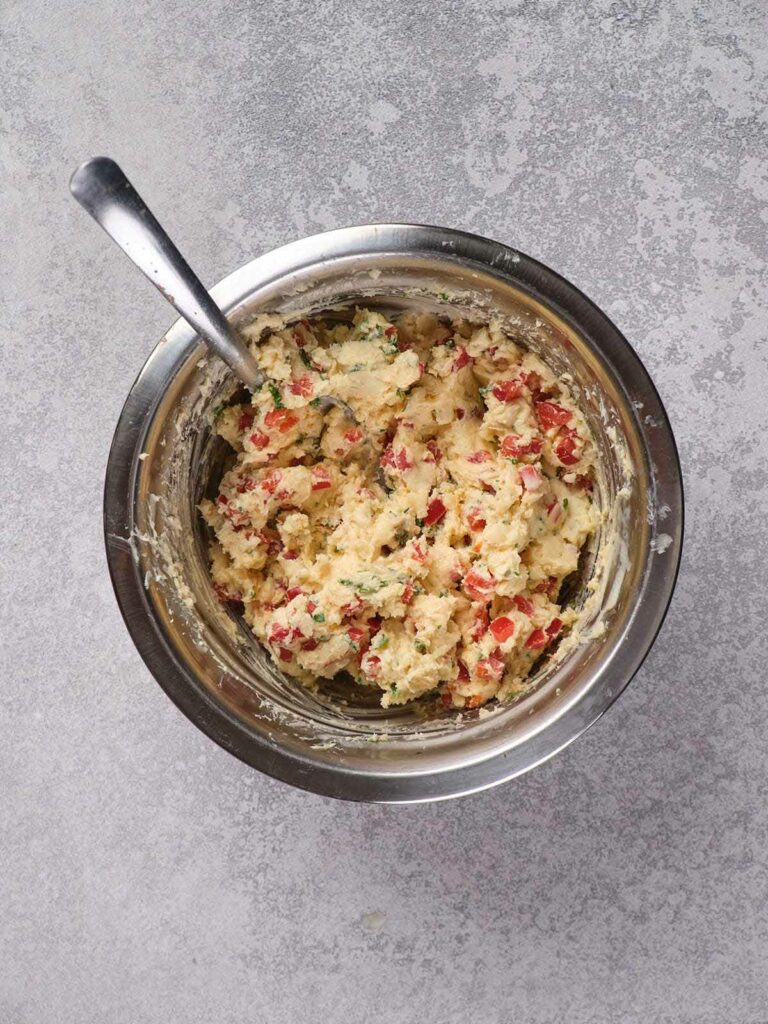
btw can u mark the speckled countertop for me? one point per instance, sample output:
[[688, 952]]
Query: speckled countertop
[[146, 875]]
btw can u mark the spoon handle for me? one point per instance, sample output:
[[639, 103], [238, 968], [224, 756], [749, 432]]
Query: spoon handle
[[101, 187]]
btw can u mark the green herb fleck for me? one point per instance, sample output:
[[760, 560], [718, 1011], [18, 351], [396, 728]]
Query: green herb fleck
[[276, 396], [364, 588], [565, 503], [393, 688], [305, 359], [382, 642], [514, 461], [420, 647], [318, 616], [218, 411]]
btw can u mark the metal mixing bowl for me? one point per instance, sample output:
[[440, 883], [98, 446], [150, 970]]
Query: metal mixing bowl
[[338, 741]]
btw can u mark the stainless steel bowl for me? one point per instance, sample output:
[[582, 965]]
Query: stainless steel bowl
[[338, 742]]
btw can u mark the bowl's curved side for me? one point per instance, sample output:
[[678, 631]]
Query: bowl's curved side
[[320, 772]]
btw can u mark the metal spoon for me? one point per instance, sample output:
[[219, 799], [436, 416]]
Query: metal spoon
[[101, 188]]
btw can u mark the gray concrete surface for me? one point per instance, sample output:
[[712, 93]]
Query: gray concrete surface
[[146, 876]]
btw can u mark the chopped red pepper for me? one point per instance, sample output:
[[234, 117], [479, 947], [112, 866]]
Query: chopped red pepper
[[285, 654], [281, 419], [309, 645], [353, 607], [507, 390], [502, 628], [435, 512], [407, 593], [475, 520], [462, 359], [371, 665], [290, 556], [419, 554], [513, 447], [390, 332], [554, 512], [478, 587], [278, 633], [549, 587], [355, 634], [292, 592], [392, 459], [481, 623], [490, 668], [353, 436], [552, 415], [463, 671], [246, 483], [554, 628], [246, 419], [536, 640], [302, 386], [259, 440], [321, 478], [223, 594], [530, 478], [270, 480], [479, 456], [523, 605], [565, 450]]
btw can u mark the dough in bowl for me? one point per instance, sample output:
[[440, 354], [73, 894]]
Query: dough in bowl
[[446, 579]]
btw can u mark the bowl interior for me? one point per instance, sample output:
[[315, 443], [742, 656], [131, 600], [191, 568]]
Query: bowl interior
[[184, 459]]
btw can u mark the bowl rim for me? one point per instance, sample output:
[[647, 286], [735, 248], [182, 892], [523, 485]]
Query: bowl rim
[[171, 354]]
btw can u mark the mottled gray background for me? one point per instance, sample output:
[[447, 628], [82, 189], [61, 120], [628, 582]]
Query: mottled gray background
[[146, 875]]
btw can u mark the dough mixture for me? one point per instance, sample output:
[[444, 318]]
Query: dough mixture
[[446, 578]]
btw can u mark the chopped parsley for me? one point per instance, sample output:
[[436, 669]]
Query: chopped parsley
[[276, 396], [305, 359], [318, 616], [565, 503], [218, 411], [421, 647], [366, 589]]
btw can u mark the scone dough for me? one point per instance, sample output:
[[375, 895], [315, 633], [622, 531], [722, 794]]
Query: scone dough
[[447, 578]]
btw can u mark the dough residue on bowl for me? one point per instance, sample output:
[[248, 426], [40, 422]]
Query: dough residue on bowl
[[425, 550]]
